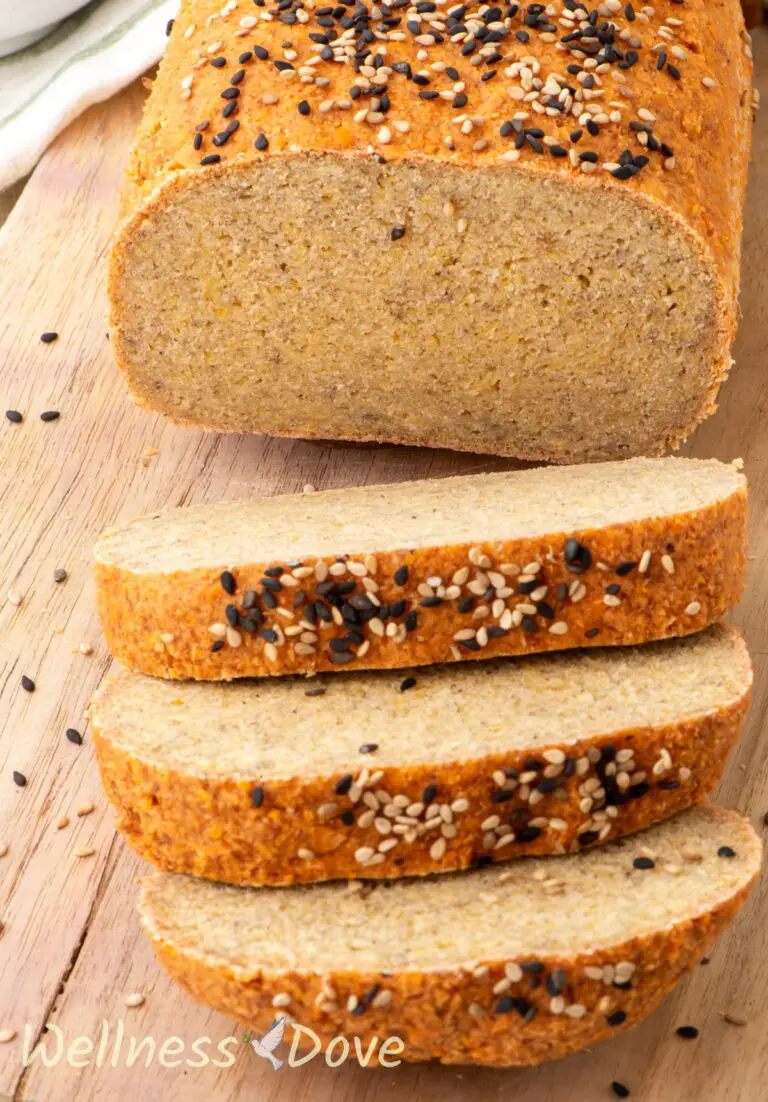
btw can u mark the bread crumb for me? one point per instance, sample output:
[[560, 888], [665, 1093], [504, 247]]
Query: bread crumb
[[63, 822], [86, 851], [85, 809]]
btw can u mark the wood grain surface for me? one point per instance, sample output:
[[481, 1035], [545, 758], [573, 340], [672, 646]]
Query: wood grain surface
[[71, 948]]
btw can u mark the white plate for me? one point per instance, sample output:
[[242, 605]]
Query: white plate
[[27, 21]]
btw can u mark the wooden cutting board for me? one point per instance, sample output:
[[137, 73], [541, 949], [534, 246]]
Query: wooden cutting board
[[71, 949]]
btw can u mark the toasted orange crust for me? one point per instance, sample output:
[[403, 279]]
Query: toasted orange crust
[[430, 1011], [160, 624], [208, 827]]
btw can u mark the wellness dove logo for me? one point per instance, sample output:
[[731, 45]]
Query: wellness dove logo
[[269, 1042]]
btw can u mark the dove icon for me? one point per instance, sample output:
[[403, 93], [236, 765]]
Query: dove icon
[[269, 1042]]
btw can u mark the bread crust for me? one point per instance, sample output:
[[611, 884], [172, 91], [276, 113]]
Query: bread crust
[[430, 1011], [207, 826], [705, 125], [160, 624]]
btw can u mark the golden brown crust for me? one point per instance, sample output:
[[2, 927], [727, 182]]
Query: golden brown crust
[[161, 625], [430, 1011], [208, 826]]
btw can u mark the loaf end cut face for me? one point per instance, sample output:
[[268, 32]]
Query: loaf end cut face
[[511, 966], [541, 264]]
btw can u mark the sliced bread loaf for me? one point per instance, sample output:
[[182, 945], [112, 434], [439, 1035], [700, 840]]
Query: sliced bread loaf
[[316, 196], [286, 781], [495, 966], [422, 572]]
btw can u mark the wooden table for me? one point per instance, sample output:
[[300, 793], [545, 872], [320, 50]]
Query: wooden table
[[71, 949]]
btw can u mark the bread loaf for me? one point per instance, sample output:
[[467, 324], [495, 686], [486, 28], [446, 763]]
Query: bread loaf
[[423, 572], [495, 966], [505, 229], [282, 781]]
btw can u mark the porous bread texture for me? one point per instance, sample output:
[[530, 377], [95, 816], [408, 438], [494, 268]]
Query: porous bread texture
[[266, 292], [446, 964], [424, 572], [358, 775]]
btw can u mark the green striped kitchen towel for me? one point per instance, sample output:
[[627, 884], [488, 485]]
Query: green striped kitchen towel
[[85, 59]]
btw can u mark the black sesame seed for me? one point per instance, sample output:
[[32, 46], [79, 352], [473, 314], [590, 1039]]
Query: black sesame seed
[[19, 778], [314, 692], [230, 93], [619, 1089], [169, 27], [368, 748], [617, 1018], [688, 1032], [211, 159], [50, 415], [397, 233], [411, 620], [401, 575], [74, 736], [217, 646], [348, 817], [726, 851], [556, 982], [587, 837], [460, 100], [528, 834], [261, 53], [218, 62], [49, 338], [613, 589], [407, 683], [625, 568], [673, 71], [257, 796], [261, 143], [237, 77], [429, 794], [247, 56], [342, 787], [591, 633], [228, 583], [643, 863], [529, 624], [505, 1004], [197, 141], [14, 416], [27, 684], [431, 602]]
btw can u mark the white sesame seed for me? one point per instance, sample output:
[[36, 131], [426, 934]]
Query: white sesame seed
[[135, 999], [693, 609], [437, 849], [6, 1035], [668, 564], [575, 1010], [645, 561], [558, 628], [306, 854], [513, 972], [281, 1000]]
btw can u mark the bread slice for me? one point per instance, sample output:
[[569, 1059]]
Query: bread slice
[[362, 775], [494, 966], [423, 572]]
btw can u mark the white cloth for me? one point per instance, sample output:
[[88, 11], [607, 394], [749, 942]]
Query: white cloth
[[87, 58]]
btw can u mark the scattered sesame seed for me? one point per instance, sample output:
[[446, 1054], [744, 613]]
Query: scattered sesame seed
[[135, 999], [19, 779], [60, 575], [688, 1032], [49, 338], [14, 416], [27, 684], [50, 415]]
